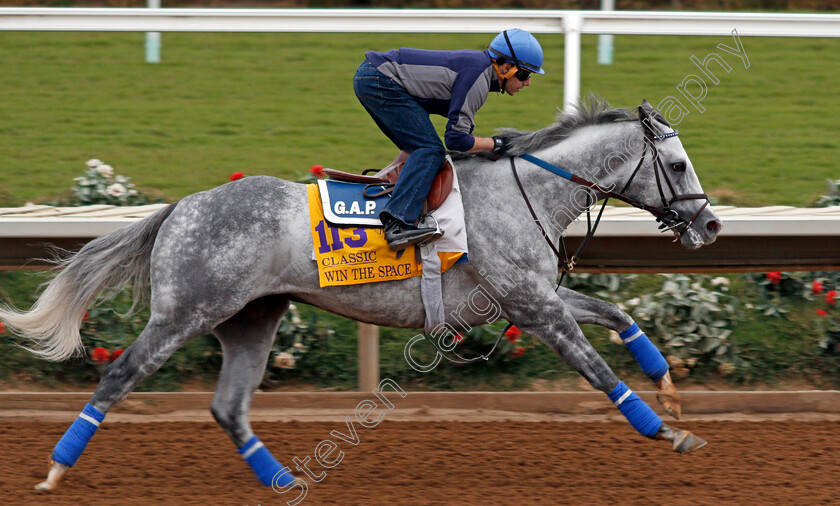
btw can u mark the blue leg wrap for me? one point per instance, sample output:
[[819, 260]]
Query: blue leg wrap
[[268, 470], [73, 442], [637, 412], [652, 362]]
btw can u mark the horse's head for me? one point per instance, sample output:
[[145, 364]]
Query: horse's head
[[634, 157], [664, 181]]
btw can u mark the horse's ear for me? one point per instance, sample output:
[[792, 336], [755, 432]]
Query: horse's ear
[[645, 109], [644, 112], [648, 113]]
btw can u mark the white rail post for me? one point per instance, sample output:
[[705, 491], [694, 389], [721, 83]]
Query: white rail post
[[605, 41], [572, 22], [153, 38], [368, 357]]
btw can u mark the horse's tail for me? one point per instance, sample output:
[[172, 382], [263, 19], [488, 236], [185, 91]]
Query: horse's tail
[[106, 263]]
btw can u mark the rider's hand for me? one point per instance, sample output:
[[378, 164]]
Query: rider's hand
[[501, 145]]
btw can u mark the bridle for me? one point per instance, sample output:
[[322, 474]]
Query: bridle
[[668, 218]]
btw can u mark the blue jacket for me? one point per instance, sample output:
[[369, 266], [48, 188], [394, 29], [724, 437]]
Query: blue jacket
[[453, 84]]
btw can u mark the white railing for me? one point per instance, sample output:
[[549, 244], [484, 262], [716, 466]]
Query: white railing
[[418, 21], [767, 235], [47, 222], [570, 23]]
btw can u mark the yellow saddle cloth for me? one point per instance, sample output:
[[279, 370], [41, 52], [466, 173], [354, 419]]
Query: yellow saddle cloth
[[350, 256]]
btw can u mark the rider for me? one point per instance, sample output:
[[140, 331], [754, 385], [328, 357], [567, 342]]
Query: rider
[[401, 87]]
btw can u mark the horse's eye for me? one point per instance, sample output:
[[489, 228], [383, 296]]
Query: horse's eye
[[678, 167]]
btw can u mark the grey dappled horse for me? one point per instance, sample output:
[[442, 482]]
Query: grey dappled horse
[[229, 261]]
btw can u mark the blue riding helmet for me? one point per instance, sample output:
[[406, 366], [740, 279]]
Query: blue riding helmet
[[520, 48]]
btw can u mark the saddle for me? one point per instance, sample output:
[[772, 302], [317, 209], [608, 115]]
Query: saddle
[[441, 186]]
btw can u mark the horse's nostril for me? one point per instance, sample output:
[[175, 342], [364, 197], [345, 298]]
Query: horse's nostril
[[713, 226]]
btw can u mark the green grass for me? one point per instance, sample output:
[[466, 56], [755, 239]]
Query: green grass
[[277, 103]]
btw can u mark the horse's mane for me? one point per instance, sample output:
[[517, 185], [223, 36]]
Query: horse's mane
[[592, 110]]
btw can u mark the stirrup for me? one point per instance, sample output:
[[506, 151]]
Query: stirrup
[[404, 242], [437, 234]]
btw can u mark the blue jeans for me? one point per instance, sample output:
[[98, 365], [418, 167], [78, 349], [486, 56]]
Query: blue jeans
[[407, 124]]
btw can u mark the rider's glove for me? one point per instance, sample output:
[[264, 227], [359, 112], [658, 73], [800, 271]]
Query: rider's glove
[[501, 145]]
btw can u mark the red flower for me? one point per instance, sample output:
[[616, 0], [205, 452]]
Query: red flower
[[2, 328], [513, 334], [317, 170], [822, 312], [831, 297], [774, 277], [236, 175], [99, 355], [518, 353], [816, 287], [116, 354], [86, 317], [458, 338]]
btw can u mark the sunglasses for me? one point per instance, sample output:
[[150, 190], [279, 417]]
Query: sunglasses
[[522, 75]]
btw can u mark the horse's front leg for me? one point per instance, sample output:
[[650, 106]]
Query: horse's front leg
[[554, 325], [585, 309]]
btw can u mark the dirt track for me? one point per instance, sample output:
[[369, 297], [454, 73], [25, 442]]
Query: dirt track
[[438, 462]]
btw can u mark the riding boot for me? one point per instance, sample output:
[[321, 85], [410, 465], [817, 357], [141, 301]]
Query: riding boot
[[402, 235]]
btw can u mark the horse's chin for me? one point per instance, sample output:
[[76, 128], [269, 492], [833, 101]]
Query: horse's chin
[[690, 239]]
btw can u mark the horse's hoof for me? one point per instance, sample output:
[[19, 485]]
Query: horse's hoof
[[44, 486], [683, 440], [688, 442], [56, 473], [668, 397]]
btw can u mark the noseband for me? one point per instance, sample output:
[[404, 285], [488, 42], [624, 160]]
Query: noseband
[[668, 218]]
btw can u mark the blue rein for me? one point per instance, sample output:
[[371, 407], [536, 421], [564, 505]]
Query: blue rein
[[568, 175], [547, 166]]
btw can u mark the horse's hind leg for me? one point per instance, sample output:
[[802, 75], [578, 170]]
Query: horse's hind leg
[[158, 341], [246, 340], [587, 309]]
